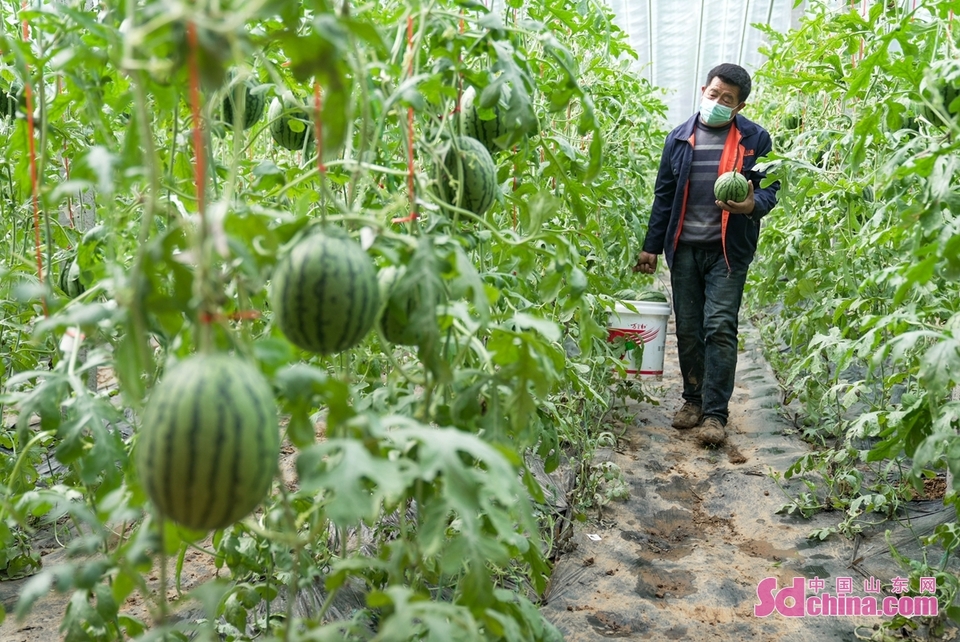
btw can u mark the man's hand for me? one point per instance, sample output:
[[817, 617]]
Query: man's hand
[[743, 207], [646, 263]]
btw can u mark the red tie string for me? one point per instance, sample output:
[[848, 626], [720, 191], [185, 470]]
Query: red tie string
[[199, 167], [34, 179], [318, 128], [240, 315], [410, 168]]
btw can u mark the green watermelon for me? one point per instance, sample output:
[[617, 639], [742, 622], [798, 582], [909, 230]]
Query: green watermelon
[[252, 103], [209, 442], [942, 98], [867, 193], [324, 293], [651, 296], [402, 319], [70, 279], [910, 122], [900, 117], [12, 100], [731, 186], [487, 131], [468, 177], [290, 124]]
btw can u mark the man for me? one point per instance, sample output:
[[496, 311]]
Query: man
[[708, 244]]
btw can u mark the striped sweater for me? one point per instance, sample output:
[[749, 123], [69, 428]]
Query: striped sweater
[[701, 225]]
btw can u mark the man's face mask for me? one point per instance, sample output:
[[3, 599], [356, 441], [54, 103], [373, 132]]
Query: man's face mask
[[713, 113]]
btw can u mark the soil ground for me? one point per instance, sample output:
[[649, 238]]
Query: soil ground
[[682, 557]]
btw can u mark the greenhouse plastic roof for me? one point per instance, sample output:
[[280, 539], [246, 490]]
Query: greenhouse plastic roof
[[679, 41]]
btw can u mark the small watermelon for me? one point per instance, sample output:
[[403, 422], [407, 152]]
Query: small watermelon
[[70, 279], [487, 131], [651, 296], [209, 442], [12, 100], [324, 293], [252, 102], [290, 124], [731, 186], [468, 177], [8, 105], [942, 99], [405, 309]]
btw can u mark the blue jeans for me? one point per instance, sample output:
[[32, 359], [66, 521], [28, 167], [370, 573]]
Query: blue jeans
[[706, 303]]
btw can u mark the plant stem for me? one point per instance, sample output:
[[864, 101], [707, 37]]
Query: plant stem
[[162, 610]]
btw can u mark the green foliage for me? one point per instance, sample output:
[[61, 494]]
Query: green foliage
[[855, 289], [177, 231]]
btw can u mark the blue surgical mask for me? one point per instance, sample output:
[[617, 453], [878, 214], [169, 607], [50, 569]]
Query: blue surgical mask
[[713, 113]]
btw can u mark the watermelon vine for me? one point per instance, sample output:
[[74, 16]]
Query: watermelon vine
[[856, 289], [185, 278]]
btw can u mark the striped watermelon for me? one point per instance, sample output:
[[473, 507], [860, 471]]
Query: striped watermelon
[[403, 314], [209, 442], [252, 102], [70, 279], [290, 124], [731, 186], [792, 121], [11, 100], [941, 97], [473, 125], [468, 176], [324, 293]]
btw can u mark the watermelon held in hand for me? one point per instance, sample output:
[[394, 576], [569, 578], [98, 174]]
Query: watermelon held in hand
[[290, 124], [244, 95], [209, 441], [652, 296], [468, 177], [324, 293], [731, 186]]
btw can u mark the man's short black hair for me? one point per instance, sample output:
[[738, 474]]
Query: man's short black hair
[[732, 75]]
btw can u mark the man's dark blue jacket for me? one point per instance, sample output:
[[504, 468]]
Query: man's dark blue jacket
[[746, 142]]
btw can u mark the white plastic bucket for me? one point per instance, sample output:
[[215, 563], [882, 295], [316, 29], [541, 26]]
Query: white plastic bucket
[[647, 326]]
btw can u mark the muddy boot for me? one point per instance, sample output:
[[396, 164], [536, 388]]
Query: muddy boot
[[688, 416], [712, 432]]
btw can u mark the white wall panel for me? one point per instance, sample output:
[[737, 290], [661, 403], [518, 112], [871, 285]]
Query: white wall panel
[[678, 41]]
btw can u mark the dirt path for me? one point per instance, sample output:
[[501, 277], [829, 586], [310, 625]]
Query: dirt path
[[682, 558]]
